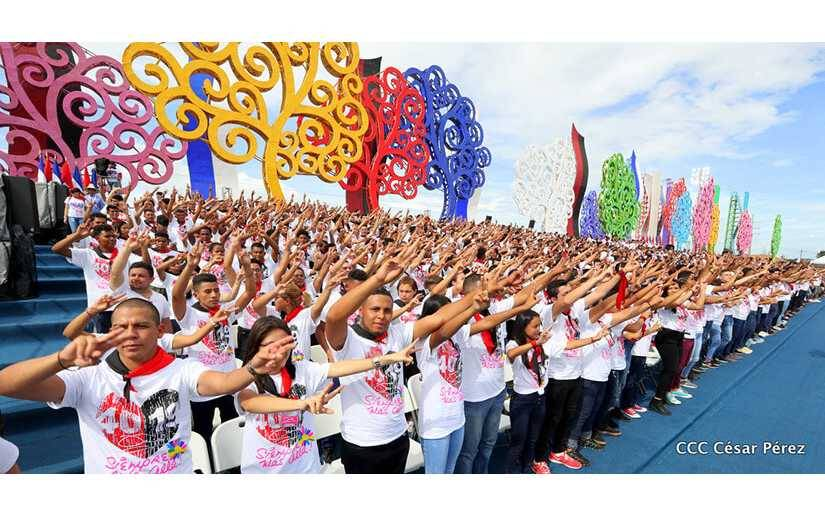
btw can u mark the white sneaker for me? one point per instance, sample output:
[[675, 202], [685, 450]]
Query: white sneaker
[[672, 399], [746, 350], [763, 334], [815, 300], [759, 340]]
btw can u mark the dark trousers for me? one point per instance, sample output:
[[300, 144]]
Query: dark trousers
[[384, 458], [563, 401], [592, 395], [240, 351], [684, 357], [526, 419], [630, 393], [603, 414], [669, 344], [738, 338], [204, 411], [779, 306]]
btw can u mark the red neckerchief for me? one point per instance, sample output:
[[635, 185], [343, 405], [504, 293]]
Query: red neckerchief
[[571, 325], [547, 297], [622, 290], [538, 356], [258, 286], [113, 254], [294, 313], [286, 382], [486, 336], [158, 361], [212, 312]]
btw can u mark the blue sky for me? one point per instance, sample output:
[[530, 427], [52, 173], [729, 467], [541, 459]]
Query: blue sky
[[753, 113]]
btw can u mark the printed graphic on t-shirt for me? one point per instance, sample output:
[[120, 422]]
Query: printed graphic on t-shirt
[[450, 368], [285, 430], [217, 342], [142, 431], [494, 360], [571, 329], [103, 269], [386, 382]]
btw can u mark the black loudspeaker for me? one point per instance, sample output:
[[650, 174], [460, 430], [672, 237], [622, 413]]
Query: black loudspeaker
[[532, 224], [21, 203], [489, 218]]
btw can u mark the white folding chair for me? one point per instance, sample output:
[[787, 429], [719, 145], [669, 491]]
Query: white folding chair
[[233, 334], [415, 458], [508, 377], [414, 385], [200, 454], [227, 444], [317, 354]]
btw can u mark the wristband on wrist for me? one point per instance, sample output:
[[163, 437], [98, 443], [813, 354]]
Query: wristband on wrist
[[60, 363]]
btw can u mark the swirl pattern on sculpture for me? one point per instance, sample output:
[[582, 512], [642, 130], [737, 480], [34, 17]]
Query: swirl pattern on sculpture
[[396, 128], [681, 221], [744, 236], [235, 114], [776, 237], [93, 94], [702, 215], [543, 184], [457, 157], [589, 225]]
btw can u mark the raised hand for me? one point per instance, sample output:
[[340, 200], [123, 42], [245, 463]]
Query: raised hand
[[317, 404], [105, 302], [86, 350], [405, 356], [270, 359]]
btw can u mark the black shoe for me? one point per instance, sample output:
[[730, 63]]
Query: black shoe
[[611, 430], [659, 407], [595, 444], [579, 457]]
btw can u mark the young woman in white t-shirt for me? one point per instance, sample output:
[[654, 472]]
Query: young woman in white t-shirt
[[440, 358], [75, 209], [279, 408]]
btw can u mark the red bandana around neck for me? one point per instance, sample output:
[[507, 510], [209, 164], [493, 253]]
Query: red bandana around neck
[[158, 361], [213, 311], [486, 336], [622, 290], [294, 313], [286, 382]]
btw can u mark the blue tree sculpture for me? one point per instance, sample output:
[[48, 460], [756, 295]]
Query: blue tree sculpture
[[457, 157]]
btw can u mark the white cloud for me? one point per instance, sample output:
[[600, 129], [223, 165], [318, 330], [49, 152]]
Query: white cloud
[[783, 163]]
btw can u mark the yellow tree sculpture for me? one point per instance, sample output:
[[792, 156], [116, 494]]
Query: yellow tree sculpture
[[234, 114]]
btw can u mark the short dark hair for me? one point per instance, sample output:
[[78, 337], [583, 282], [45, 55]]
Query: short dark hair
[[143, 265], [139, 303], [100, 229], [163, 220], [98, 215], [302, 232], [471, 281], [381, 291], [258, 245], [201, 278], [215, 244], [357, 275], [162, 234]]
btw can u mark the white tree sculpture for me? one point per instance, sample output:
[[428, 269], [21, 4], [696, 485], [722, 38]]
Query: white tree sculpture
[[543, 184]]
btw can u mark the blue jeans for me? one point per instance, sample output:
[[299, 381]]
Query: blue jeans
[[727, 333], [630, 393], [526, 417], [750, 327], [739, 328], [592, 397], [440, 455], [694, 354], [480, 433], [74, 222], [715, 340]]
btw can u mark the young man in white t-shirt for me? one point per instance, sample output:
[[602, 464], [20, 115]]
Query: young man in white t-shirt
[[140, 277], [131, 396], [96, 263], [216, 351], [373, 425]]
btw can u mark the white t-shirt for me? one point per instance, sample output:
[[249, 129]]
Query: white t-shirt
[[156, 299], [148, 434], [525, 379], [372, 402], [642, 346], [304, 325], [8, 455], [284, 442], [568, 364], [673, 320], [484, 371], [441, 407], [597, 357], [216, 351], [97, 271], [248, 316], [618, 361], [75, 207], [158, 258]]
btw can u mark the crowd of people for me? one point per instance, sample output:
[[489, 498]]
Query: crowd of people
[[386, 297]]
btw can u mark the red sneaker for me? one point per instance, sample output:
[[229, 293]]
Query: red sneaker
[[629, 412], [540, 468], [565, 460], [640, 409]]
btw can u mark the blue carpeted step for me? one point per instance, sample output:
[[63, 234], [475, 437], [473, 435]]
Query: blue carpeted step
[[66, 271], [49, 442], [30, 342], [70, 304], [42, 249], [44, 260], [58, 286], [11, 406]]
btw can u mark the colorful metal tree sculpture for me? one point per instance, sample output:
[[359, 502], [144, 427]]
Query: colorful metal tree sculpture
[[457, 157], [396, 128], [92, 93], [618, 207], [776, 238], [591, 227], [543, 185], [235, 114], [703, 215], [744, 235]]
